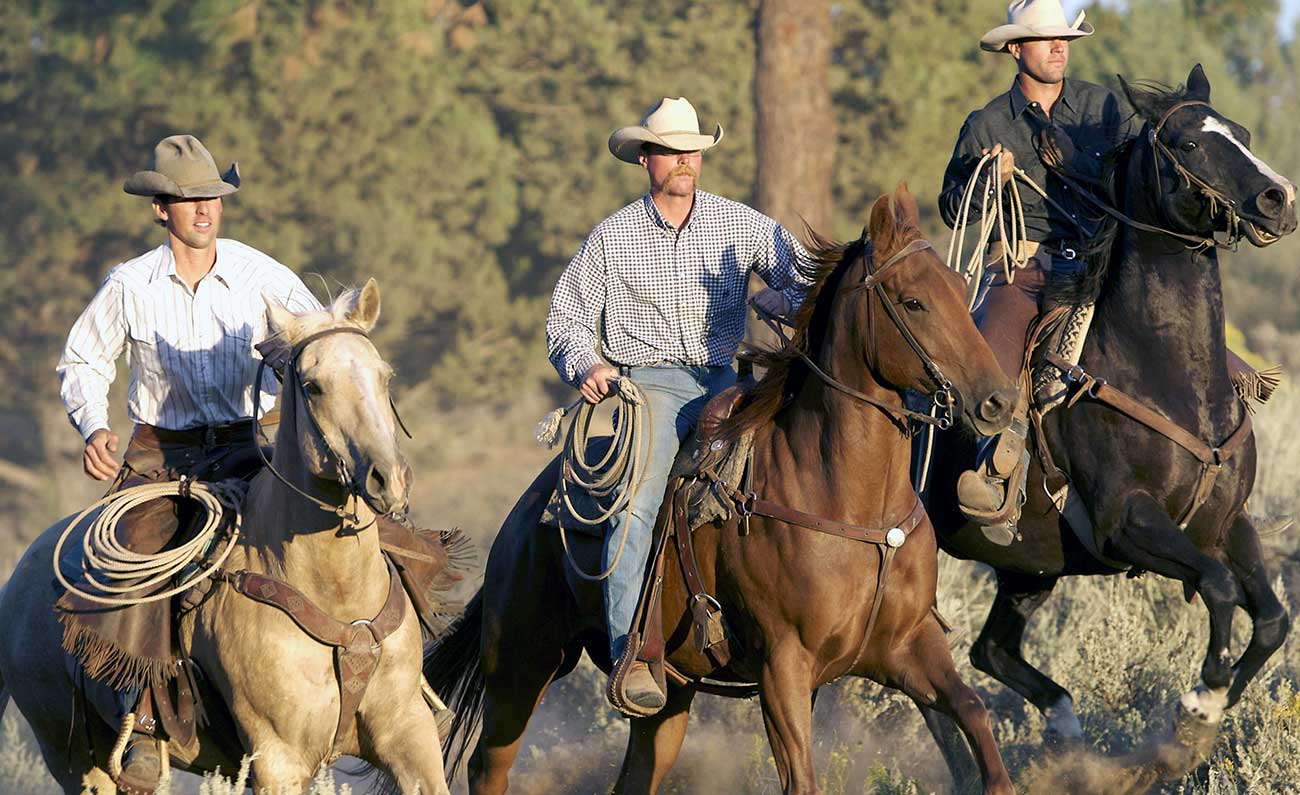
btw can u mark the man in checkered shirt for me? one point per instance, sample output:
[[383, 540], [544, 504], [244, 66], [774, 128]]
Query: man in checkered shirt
[[667, 277]]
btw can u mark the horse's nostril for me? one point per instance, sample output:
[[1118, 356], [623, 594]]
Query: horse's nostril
[[995, 407], [1271, 201], [375, 481]]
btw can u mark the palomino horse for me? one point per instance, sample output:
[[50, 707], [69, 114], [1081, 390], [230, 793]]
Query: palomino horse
[[279, 684], [1157, 335], [796, 602]]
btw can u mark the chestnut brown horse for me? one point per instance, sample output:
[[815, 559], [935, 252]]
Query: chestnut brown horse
[[796, 602]]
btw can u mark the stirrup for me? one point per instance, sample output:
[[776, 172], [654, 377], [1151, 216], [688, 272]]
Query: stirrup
[[614, 690], [1000, 526]]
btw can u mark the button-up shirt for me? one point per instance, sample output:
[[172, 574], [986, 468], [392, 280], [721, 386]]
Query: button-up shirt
[[1094, 117], [190, 351], [667, 295]]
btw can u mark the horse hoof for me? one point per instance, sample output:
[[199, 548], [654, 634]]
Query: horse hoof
[[1204, 705], [1058, 743]]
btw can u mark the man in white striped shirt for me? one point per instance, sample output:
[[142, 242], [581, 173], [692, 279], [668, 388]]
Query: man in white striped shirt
[[658, 289], [188, 315]]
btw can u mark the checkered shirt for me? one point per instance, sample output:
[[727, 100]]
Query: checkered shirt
[[668, 296]]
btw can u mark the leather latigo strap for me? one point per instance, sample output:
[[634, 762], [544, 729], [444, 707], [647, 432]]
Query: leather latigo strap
[[357, 645], [1212, 458]]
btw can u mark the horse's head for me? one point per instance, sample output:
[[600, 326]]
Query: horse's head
[[915, 329], [1208, 179], [335, 400]]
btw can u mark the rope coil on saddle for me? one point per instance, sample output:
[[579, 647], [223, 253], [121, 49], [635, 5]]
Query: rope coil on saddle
[[614, 480], [112, 568]]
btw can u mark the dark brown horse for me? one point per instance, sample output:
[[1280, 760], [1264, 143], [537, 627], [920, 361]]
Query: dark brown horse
[[1158, 335], [796, 602]]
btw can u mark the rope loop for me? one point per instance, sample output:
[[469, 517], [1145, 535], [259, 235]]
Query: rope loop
[[614, 480], [112, 568]]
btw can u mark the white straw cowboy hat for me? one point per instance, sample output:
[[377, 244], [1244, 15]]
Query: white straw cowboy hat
[[671, 123], [183, 168], [1034, 19]]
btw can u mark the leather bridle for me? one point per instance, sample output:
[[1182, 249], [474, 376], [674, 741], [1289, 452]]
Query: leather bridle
[[1214, 195], [942, 395], [293, 379]]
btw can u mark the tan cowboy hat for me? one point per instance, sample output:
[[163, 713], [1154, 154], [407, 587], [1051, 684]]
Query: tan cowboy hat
[[1034, 19], [182, 167], [671, 123]]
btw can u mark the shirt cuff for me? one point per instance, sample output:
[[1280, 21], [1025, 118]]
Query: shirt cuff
[[581, 364], [89, 421]]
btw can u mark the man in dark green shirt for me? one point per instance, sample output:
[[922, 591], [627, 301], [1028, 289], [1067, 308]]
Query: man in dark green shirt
[[1043, 120]]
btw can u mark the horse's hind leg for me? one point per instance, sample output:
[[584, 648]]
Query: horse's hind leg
[[998, 652], [929, 677], [1270, 622], [514, 684], [1150, 540], [653, 745]]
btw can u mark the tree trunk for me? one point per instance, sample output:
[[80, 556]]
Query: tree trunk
[[795, 128]]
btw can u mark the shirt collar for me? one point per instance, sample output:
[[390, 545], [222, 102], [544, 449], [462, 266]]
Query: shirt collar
[[1019, 101], [652, 212], [166, 265]]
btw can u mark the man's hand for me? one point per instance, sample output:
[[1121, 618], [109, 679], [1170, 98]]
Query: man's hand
[[1055, 147], [98, 459], [595, 384], [771, 301], [1008, 163]]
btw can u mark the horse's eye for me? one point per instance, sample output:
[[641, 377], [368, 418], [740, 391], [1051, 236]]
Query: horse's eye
[[1189, 145], [913, 304], [311, 387]]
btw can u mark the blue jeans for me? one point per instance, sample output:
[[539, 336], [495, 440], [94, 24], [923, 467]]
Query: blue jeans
[[675, 395]]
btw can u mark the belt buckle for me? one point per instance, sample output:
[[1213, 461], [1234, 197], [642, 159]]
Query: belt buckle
[[209, 436]]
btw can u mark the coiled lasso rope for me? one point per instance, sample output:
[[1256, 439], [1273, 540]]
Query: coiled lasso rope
[[615, 479], [113, 569], [1000, 210]]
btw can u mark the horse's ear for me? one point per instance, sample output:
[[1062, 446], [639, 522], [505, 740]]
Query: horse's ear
[[1198, 85], [905, 209], [281, 321], [365, 311], [881, 224]]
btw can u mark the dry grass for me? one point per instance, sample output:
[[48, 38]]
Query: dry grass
[[871, 741]]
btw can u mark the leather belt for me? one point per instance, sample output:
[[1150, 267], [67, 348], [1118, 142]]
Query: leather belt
[[239, 432]]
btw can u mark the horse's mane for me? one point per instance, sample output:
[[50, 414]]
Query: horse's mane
[[785, 371], [1085, 287]]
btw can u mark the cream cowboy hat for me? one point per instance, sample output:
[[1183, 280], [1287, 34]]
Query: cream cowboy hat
[[183, 168], [1034, 19], [671, 123]]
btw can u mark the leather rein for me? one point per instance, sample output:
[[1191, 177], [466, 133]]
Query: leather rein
[[344, 477], [1159, 149], [887, 540], [942, 396], [357, 645]]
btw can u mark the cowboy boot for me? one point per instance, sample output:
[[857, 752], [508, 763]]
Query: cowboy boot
[[142, 762], [984, 494], [641, 689]]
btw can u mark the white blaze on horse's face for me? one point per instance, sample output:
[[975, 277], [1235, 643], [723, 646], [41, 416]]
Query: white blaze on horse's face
[[1213, 125], [345, 388]]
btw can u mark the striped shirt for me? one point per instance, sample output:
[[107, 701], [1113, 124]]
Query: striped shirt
[[668, 296], [190, 352]]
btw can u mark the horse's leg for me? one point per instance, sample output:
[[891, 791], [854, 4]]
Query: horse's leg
[[952, 744], [1150, 540], [1270, 622], [511, 693], [653, 744], [928, 676], [278, 767], [785, 693], [95, 781], [404, 741], [997, 652]]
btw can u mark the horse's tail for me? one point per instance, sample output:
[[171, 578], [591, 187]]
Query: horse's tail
[[454, 670]]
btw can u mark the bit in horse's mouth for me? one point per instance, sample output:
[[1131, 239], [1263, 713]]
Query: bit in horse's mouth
[[1255, 235]]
